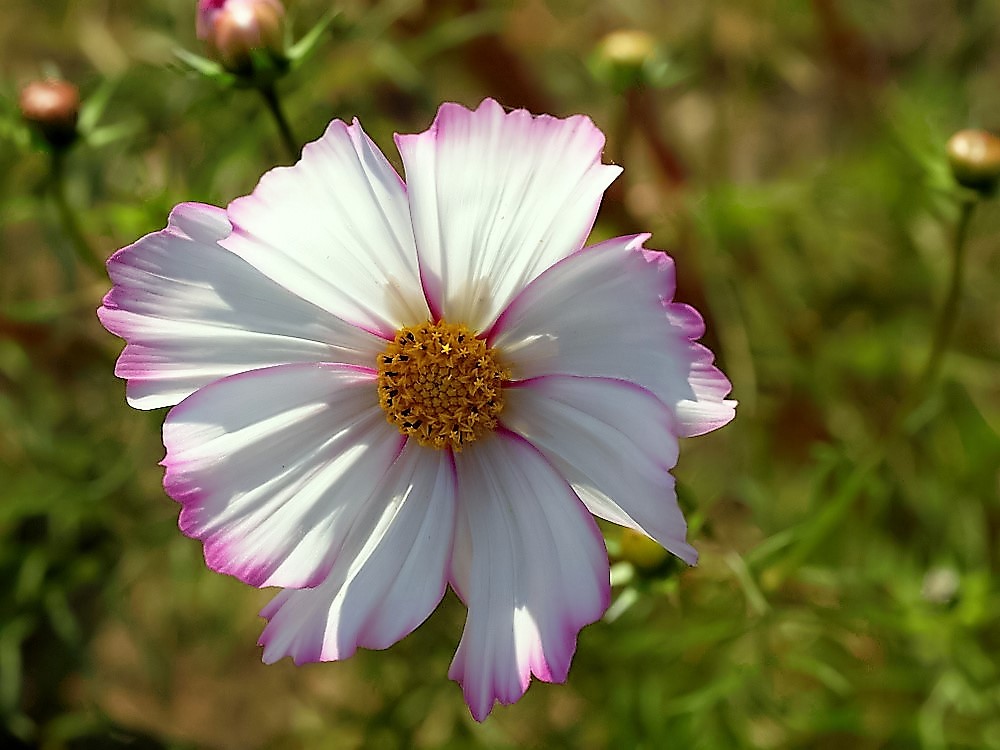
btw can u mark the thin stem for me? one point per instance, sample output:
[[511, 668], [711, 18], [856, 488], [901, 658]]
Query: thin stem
[[844, 498], [949, 311], [270, 94], [642, 109], [85, 253]]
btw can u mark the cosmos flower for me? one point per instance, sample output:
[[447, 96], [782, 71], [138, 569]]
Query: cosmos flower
[[382, 388]]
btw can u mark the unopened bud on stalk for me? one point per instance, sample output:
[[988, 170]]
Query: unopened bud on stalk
[[974, 157], [631, 47], [940, 585], [52, 107], [621, 57], [640, 550], [241, 31]]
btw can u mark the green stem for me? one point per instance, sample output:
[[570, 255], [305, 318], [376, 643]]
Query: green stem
[[85, 253], [949, 311], [833, 513], [270, 95]]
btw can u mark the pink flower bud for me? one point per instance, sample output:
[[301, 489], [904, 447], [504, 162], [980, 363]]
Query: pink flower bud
[[52, 107], [235, 29]]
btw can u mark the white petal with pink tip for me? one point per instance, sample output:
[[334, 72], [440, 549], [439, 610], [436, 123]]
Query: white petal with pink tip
[[274, 466], [335, 230], [614, 442], [389, 576], [193, 312], [263, 326], [607, 312], [496, 197], [531, 567]]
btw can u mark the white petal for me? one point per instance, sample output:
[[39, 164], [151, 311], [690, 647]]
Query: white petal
[[191, 312], [614, 441], [335, 229], [497, 197], [273, 467], [388, 578], [538, 571], [607, 312]]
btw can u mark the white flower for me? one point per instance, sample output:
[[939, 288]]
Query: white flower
[[381, 388]]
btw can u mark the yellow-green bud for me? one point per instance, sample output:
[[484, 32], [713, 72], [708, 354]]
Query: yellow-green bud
[[628, 47], [974, 157], [640, 550], [940, 585], [621, 58]]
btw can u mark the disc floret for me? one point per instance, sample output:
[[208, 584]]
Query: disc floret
[[440, 384]]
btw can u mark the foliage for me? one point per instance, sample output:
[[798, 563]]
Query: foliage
[[790, 156]]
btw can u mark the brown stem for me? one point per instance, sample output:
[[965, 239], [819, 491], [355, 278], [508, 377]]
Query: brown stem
[[641, 108]]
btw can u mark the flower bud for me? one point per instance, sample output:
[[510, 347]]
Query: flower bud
[[628, 47], [940, 585], [974, 157], [640, 550], [622, 56], [52, 107], [238, 30]]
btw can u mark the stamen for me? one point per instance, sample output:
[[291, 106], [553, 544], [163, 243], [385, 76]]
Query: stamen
[[440, 384]]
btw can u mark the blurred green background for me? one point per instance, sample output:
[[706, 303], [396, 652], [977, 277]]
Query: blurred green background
[[790, 156]]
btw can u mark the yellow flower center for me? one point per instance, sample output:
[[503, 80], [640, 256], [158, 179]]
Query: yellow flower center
[[440, 384]]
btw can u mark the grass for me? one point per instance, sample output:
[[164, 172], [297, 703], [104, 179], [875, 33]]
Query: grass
[[789, 155]]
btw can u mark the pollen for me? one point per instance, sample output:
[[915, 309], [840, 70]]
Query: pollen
[[441, 384]]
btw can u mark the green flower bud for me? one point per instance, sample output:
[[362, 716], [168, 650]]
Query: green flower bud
[[622, 58], [640, 550]]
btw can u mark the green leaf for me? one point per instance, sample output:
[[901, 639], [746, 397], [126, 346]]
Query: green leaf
[[308, 44], [204, 67], [92, 108]]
